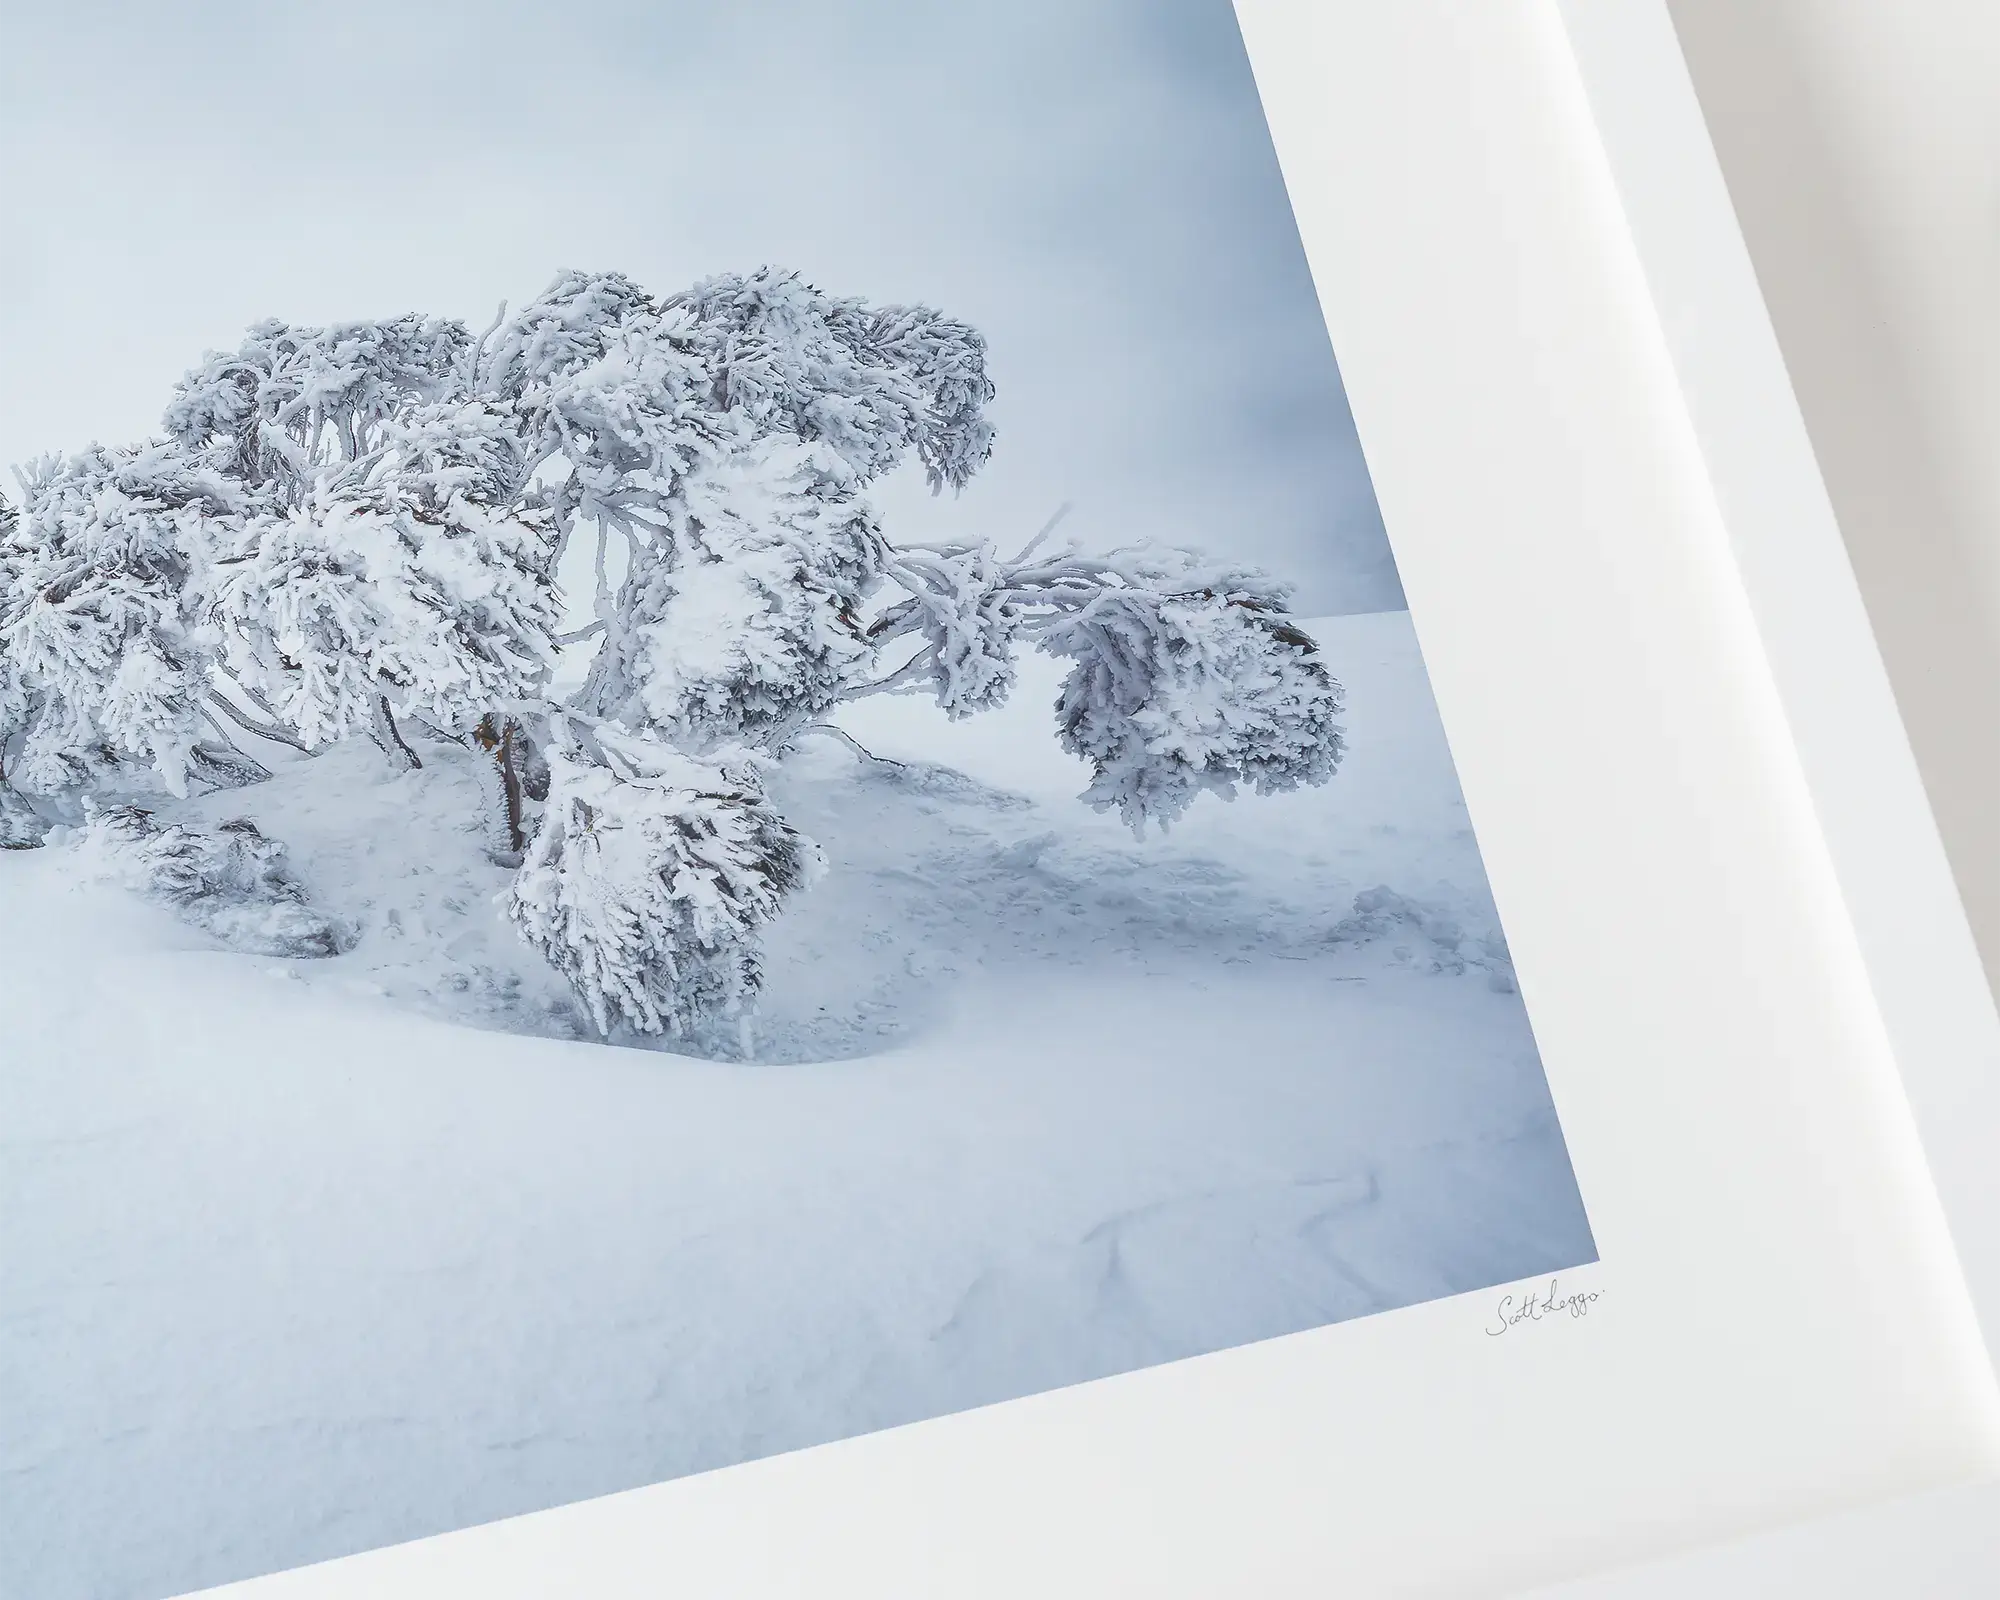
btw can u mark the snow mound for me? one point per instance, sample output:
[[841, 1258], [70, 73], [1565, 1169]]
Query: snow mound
[[234, 882], [1427, 933]]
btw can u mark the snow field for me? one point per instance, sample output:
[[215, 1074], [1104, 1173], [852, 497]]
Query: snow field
[[304, 1257]]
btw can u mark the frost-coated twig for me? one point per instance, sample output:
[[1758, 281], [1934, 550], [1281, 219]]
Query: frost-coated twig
[[262, 705], [262, 730], [852, 743], [603, 596], [222, 733], [474, 355], [1048, 528], [910, 674], [425, 726]]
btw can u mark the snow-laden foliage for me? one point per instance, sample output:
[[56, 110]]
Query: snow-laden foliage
[[618, 410], [289, 401], [570, 327], [968, 610], [1175, 694], [21, 827], [871, 382], [408, 582], [102, 617], [742, 620], [355, 529], [15, 702], [649, 879], [392, 555], [235, 883], [1187, 677], [725, 435]]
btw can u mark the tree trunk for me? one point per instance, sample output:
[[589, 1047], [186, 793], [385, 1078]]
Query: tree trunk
[[389, 739], [501, 740]]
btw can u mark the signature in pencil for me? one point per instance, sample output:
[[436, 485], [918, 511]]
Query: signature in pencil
[[1536, 1306]]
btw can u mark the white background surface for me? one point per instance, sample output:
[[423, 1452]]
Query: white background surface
[[1780, 1329], [1860, 140]]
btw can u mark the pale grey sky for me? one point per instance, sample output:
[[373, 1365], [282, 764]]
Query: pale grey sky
[[1088, 181]]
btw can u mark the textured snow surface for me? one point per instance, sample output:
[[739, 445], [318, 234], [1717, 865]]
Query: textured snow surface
[[298, 1258]]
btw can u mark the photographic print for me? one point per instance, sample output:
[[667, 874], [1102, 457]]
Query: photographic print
[[709, 742]]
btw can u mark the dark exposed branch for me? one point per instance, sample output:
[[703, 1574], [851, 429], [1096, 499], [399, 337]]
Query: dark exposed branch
[[256, 700], [852, 743], [250, 724], [389, 738], [426, 726]]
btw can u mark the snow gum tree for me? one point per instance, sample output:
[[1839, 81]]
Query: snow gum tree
[[109, 653], [355, 531]]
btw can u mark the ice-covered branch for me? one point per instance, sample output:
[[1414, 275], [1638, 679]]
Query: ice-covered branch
[[249, 724], [1187, 674]]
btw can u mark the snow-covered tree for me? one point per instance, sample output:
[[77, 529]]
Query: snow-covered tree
[[20, 825], [740, 615], [382, 594], [14, 699], [102, 593], [393, 558], [356, 529], [649, 877]]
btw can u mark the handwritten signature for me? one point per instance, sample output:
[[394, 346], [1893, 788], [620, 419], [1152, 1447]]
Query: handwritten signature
[[1515, 1309]]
